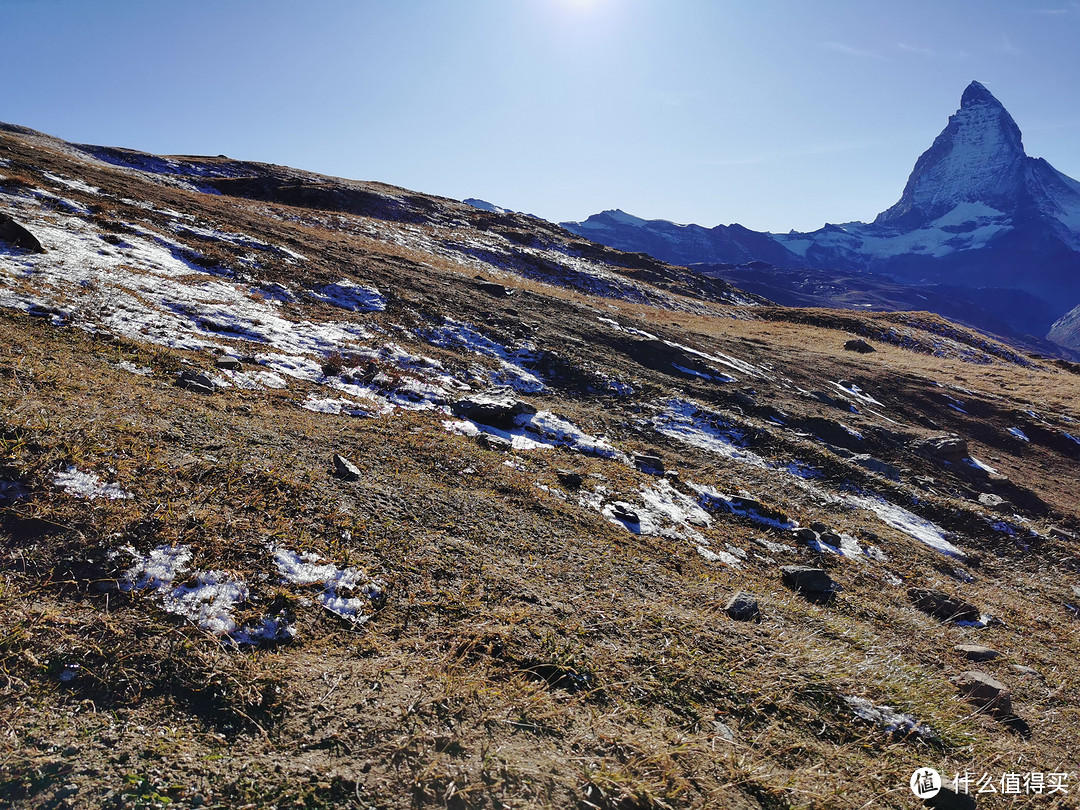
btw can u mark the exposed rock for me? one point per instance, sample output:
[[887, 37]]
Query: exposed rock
[[950, 449], [17, 236], [228, 361], [570, 479], [743, 608], [860, 346], [497, 443], [883, 468], [805, 535], [195, 381], [942, 606], [1021, 669], [495, 290], [984, 691], [621, 511], [813, 583], [498, 408], [343, 468], [990, 499], [976, 652], [649, 463], [832, 432]]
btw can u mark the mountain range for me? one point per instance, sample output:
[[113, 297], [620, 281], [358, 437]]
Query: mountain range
[[982, 233]]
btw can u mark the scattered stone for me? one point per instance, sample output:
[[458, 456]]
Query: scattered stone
[[985, 691], [343, 468], [1025, 670], [990, 499], [570, 479], [196, 381], [1062, 534], [723, 731], [497, 443], [624, 513], [17, 236], [495, 290], [805, 535], [942, 606], [949, 449], [833, 433], [649, 463], [813, 583], [742, 607], [498, 409], [859, 345], [832, 538], [976, 652], [883, 468], [229, 362]]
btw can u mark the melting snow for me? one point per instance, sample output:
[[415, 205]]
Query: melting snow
[[87, 485], [909, 523], [541, 430], [980, 465], [889, 719], [686, 422], [512, 372], [305, 569], [351, 296], [1018, 433]]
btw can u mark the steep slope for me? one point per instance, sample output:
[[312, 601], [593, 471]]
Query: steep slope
[[976, 212], [322, 493]]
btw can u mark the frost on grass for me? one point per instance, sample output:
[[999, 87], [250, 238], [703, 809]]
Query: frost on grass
[[87, 485], [351, 296], [339, 405], [908, 522], [541, 430], [888, 719], [690, 424], [336, 584], [513, 363]]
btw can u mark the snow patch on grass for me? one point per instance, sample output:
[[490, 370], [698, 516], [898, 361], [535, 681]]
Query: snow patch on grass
[[87, 485], [305, 569], [907, 522]]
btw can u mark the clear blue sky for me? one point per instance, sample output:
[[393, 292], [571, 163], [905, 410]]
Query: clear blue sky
[[777, 115]]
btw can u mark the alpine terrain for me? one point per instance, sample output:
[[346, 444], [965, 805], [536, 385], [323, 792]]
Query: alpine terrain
[[982, 233], [326, 493]]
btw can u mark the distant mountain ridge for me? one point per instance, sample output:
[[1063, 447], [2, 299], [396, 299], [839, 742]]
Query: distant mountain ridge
[[977, 212]]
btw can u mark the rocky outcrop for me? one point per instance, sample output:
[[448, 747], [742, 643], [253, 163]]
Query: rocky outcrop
[[498, 409], [15, 235], [942, 606]]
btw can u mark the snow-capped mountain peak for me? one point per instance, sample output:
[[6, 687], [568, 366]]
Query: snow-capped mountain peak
[[978, 157]]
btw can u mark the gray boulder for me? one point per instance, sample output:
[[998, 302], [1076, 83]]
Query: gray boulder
[[942, 606], [196, 381], [976, 652], [345, 469], [813, 583], [498, 409], [950, 449]]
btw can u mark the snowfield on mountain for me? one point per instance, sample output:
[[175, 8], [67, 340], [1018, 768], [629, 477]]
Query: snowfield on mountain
[[325, 493]]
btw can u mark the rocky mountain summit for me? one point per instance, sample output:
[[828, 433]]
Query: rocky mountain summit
[[325, 493], [982, 232]]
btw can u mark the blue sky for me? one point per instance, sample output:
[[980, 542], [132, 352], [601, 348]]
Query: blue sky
[[776, 115]]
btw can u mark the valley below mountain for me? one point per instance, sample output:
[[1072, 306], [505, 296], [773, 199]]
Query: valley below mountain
[[326, 493]]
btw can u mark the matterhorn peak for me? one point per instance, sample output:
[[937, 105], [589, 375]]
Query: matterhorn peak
[[978, 158]]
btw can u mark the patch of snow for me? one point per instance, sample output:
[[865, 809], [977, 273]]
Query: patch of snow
[[909, 523], [541, 430], [855, 392], [351, 296], [131, 368], [339, 405], [1018, 433], [980, 465], [888, 719], [305, 569], [513, 362], [712, 500], [87, 485], [690, 424]]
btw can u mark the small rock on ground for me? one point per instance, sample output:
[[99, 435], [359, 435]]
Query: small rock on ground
[[976, 652], [860, 346], [942, 606], [742, 607], [985, 691], [343, 468]]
